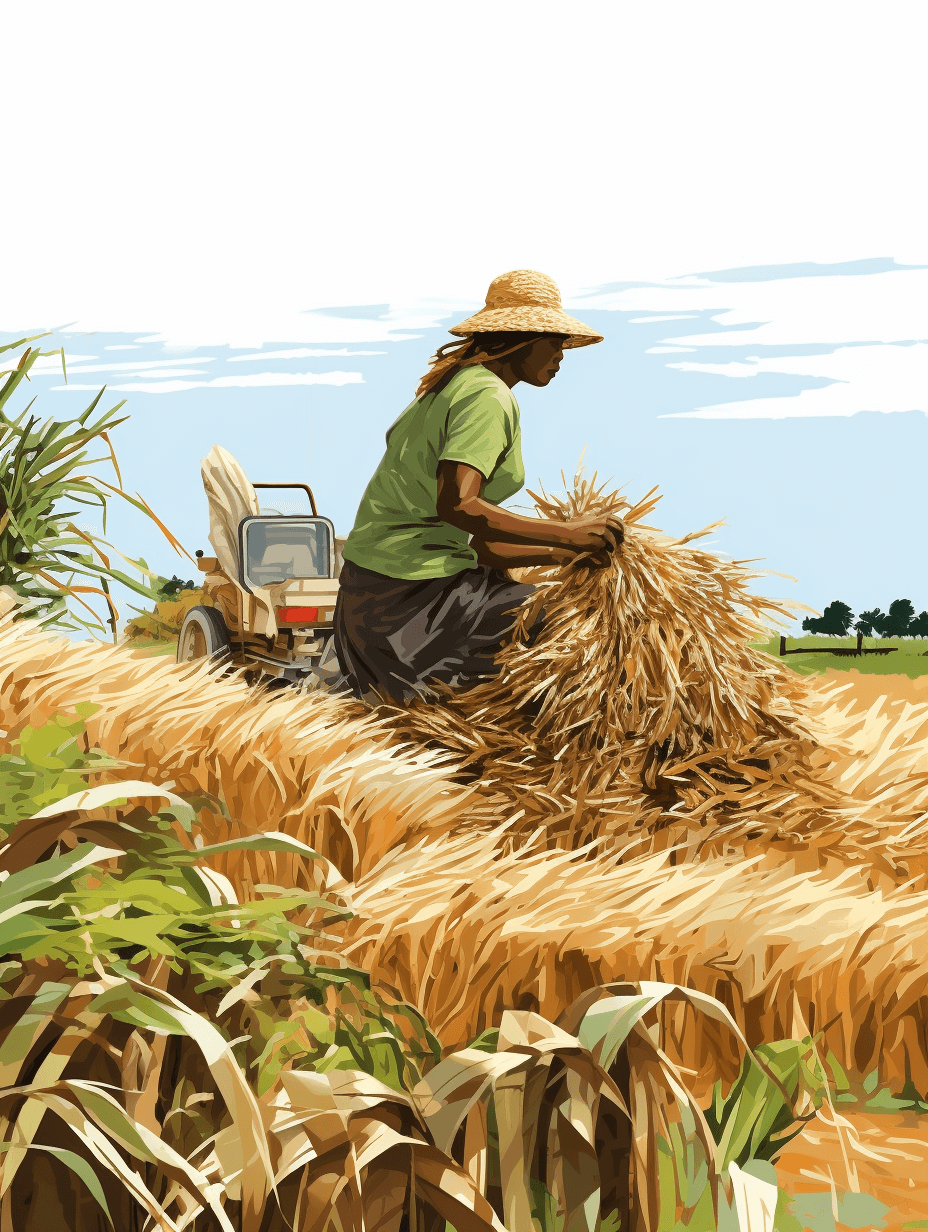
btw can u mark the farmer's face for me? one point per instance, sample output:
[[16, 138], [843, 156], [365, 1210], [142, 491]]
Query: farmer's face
[[541, 361]]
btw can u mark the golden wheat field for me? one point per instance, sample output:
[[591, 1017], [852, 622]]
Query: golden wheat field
[[640, 795]]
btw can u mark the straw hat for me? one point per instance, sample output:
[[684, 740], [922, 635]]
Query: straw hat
[[526, 300]]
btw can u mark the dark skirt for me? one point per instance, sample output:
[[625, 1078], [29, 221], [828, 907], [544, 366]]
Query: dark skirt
[[395, 636]]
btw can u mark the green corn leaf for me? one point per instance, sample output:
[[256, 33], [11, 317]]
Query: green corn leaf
[[80, 1167], [757, 1118], [17, 886], [44, 746], [22, 1034], [145, 932], [11, 346], [47, 468], [110, 794], [128, 1004], [23, 931], [275, 841], [141, 893]]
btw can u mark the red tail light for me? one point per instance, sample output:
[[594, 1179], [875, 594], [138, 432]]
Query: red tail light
[[298, 615]]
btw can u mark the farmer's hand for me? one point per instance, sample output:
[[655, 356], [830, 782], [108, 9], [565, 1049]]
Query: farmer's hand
[[596, 535], [593, 560]]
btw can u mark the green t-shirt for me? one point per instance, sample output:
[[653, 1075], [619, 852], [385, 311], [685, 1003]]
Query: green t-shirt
[[397, 530]]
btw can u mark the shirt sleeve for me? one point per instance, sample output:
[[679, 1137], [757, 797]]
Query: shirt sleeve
[[479, 430]]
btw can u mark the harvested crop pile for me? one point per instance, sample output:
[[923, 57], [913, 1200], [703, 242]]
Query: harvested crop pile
[[642, 794], [646, 720]]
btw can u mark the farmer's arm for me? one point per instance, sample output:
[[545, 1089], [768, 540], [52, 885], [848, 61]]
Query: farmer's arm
[[499, 555], [461, 504]]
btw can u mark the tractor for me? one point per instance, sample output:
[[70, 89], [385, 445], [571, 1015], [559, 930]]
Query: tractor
[[271, 585]]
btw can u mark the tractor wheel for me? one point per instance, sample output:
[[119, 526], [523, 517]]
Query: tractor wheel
[[202, 634]]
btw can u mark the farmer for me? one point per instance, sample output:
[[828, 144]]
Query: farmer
[[424, 594]]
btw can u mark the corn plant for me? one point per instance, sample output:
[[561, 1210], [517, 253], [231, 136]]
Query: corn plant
[[130, 966], [47, 562], [117, 953], [767, 1107]]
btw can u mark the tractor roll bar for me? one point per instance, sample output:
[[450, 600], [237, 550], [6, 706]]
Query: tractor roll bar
[[305, 486]]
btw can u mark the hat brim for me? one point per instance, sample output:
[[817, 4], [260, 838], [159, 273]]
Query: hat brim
[[529, 318]]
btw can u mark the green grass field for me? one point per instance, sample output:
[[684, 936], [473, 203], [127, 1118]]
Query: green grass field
[[910, 658]]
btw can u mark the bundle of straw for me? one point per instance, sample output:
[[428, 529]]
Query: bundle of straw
[[645, 717]]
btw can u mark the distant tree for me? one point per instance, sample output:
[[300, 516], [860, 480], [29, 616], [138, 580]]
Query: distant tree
[[900, 616], [170, 588], [835, 620], [919, 626], [872, 622]]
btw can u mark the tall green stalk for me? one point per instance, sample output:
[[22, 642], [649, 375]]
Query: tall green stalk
[[62, 574]]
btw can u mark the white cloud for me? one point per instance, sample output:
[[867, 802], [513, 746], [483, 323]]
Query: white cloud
[[164, 387], [750, 367], [52, 363], [888, 307], [122, 346], [877, 311], [680, 316], [244, 325], [289, 378], [299, 353], [172, 372], [50, 367], [249, 380], [865, 378]]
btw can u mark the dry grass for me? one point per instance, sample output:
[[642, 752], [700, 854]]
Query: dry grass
[[319, 768], [866, 689], [643, 795], [463, 931], [885, 1156]]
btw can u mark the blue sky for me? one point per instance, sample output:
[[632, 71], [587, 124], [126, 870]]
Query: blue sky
[[260, 231]]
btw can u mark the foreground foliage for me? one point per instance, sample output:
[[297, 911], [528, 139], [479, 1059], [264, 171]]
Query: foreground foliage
[[129, 962], [58, 568], [196, 1062]]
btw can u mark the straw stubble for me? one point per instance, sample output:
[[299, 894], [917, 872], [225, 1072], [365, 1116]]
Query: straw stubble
[[642, 794]]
